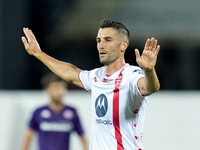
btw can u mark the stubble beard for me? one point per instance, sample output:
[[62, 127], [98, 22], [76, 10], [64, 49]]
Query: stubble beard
[[104, 62], [107, 61]]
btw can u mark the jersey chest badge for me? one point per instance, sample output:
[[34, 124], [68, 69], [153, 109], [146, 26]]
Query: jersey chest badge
[[95, 79], [118, 80]]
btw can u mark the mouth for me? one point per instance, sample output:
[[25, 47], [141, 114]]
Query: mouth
[[102, 53]]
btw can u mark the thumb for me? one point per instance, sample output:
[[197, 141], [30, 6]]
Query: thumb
[[24, 41], [137, 53]]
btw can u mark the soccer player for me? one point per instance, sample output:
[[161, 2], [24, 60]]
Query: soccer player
[[55, 122], [119, 90]]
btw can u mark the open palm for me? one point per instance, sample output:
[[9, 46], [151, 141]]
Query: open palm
[[149, 55], [30, 43]]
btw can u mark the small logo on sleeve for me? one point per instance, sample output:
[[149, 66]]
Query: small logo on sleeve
[[139, 71]]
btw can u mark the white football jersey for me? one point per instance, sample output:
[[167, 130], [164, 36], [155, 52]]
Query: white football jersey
[[118, 108]]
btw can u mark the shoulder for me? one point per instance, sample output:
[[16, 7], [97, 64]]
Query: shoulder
[[133, 69], [94, 71], [132, 74], [86, 75]]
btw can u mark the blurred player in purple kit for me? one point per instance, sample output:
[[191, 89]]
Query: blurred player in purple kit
[[119, 90], [55, 122]]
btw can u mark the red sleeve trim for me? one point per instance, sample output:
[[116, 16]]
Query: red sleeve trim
[[81, 81]]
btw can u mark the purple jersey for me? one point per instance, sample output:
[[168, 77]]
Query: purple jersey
[[54, 128]]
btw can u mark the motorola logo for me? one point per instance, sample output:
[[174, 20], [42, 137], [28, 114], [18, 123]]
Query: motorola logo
[[105, 122], [101, 105]]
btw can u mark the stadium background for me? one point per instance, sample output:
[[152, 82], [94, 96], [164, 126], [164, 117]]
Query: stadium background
[[66, 30]]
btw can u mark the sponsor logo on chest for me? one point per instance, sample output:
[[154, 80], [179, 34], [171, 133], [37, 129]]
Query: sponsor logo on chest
[[101, 108]]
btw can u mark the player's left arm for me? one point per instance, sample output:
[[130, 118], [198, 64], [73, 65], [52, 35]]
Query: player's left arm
[[150, 83]]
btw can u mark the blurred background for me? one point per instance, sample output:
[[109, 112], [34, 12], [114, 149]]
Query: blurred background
[[67, 29]]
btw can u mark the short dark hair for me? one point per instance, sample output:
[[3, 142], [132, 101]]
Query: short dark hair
[[47, 79], [106, 23]]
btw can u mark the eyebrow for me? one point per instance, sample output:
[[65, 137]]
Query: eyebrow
[[107, 37]]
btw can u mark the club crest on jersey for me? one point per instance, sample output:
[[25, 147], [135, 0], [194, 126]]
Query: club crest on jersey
[[95, 79], [101, 105], [118, 82]]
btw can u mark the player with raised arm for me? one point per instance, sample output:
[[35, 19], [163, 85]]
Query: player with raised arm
[[119, 90]]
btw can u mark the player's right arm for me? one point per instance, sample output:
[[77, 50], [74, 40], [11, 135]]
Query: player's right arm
[[27, 139], [66, 71]]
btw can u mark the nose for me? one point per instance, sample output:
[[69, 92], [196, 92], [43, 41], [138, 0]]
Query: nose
[[101, 45]]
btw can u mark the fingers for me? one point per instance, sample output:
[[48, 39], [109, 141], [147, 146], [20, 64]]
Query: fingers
[[29, 34], [154, 44], [24, 41], [157, 50], [151, 44], [25, 30], [146, 47]]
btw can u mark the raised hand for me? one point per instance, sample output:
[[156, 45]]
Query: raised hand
[[149, 56], [30, 43]]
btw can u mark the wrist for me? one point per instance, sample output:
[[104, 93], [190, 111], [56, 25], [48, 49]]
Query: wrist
[[39, 54], [148, 70]]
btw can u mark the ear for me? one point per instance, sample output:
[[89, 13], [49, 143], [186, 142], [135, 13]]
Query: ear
[[46, 89], [124, 46]]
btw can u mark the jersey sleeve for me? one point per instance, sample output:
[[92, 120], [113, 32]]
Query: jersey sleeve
[[33, 122], [84, 77], [77, 125], [137, 73]]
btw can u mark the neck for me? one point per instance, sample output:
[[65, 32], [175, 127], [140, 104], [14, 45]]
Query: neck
[[56, 106], [113, 67]]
